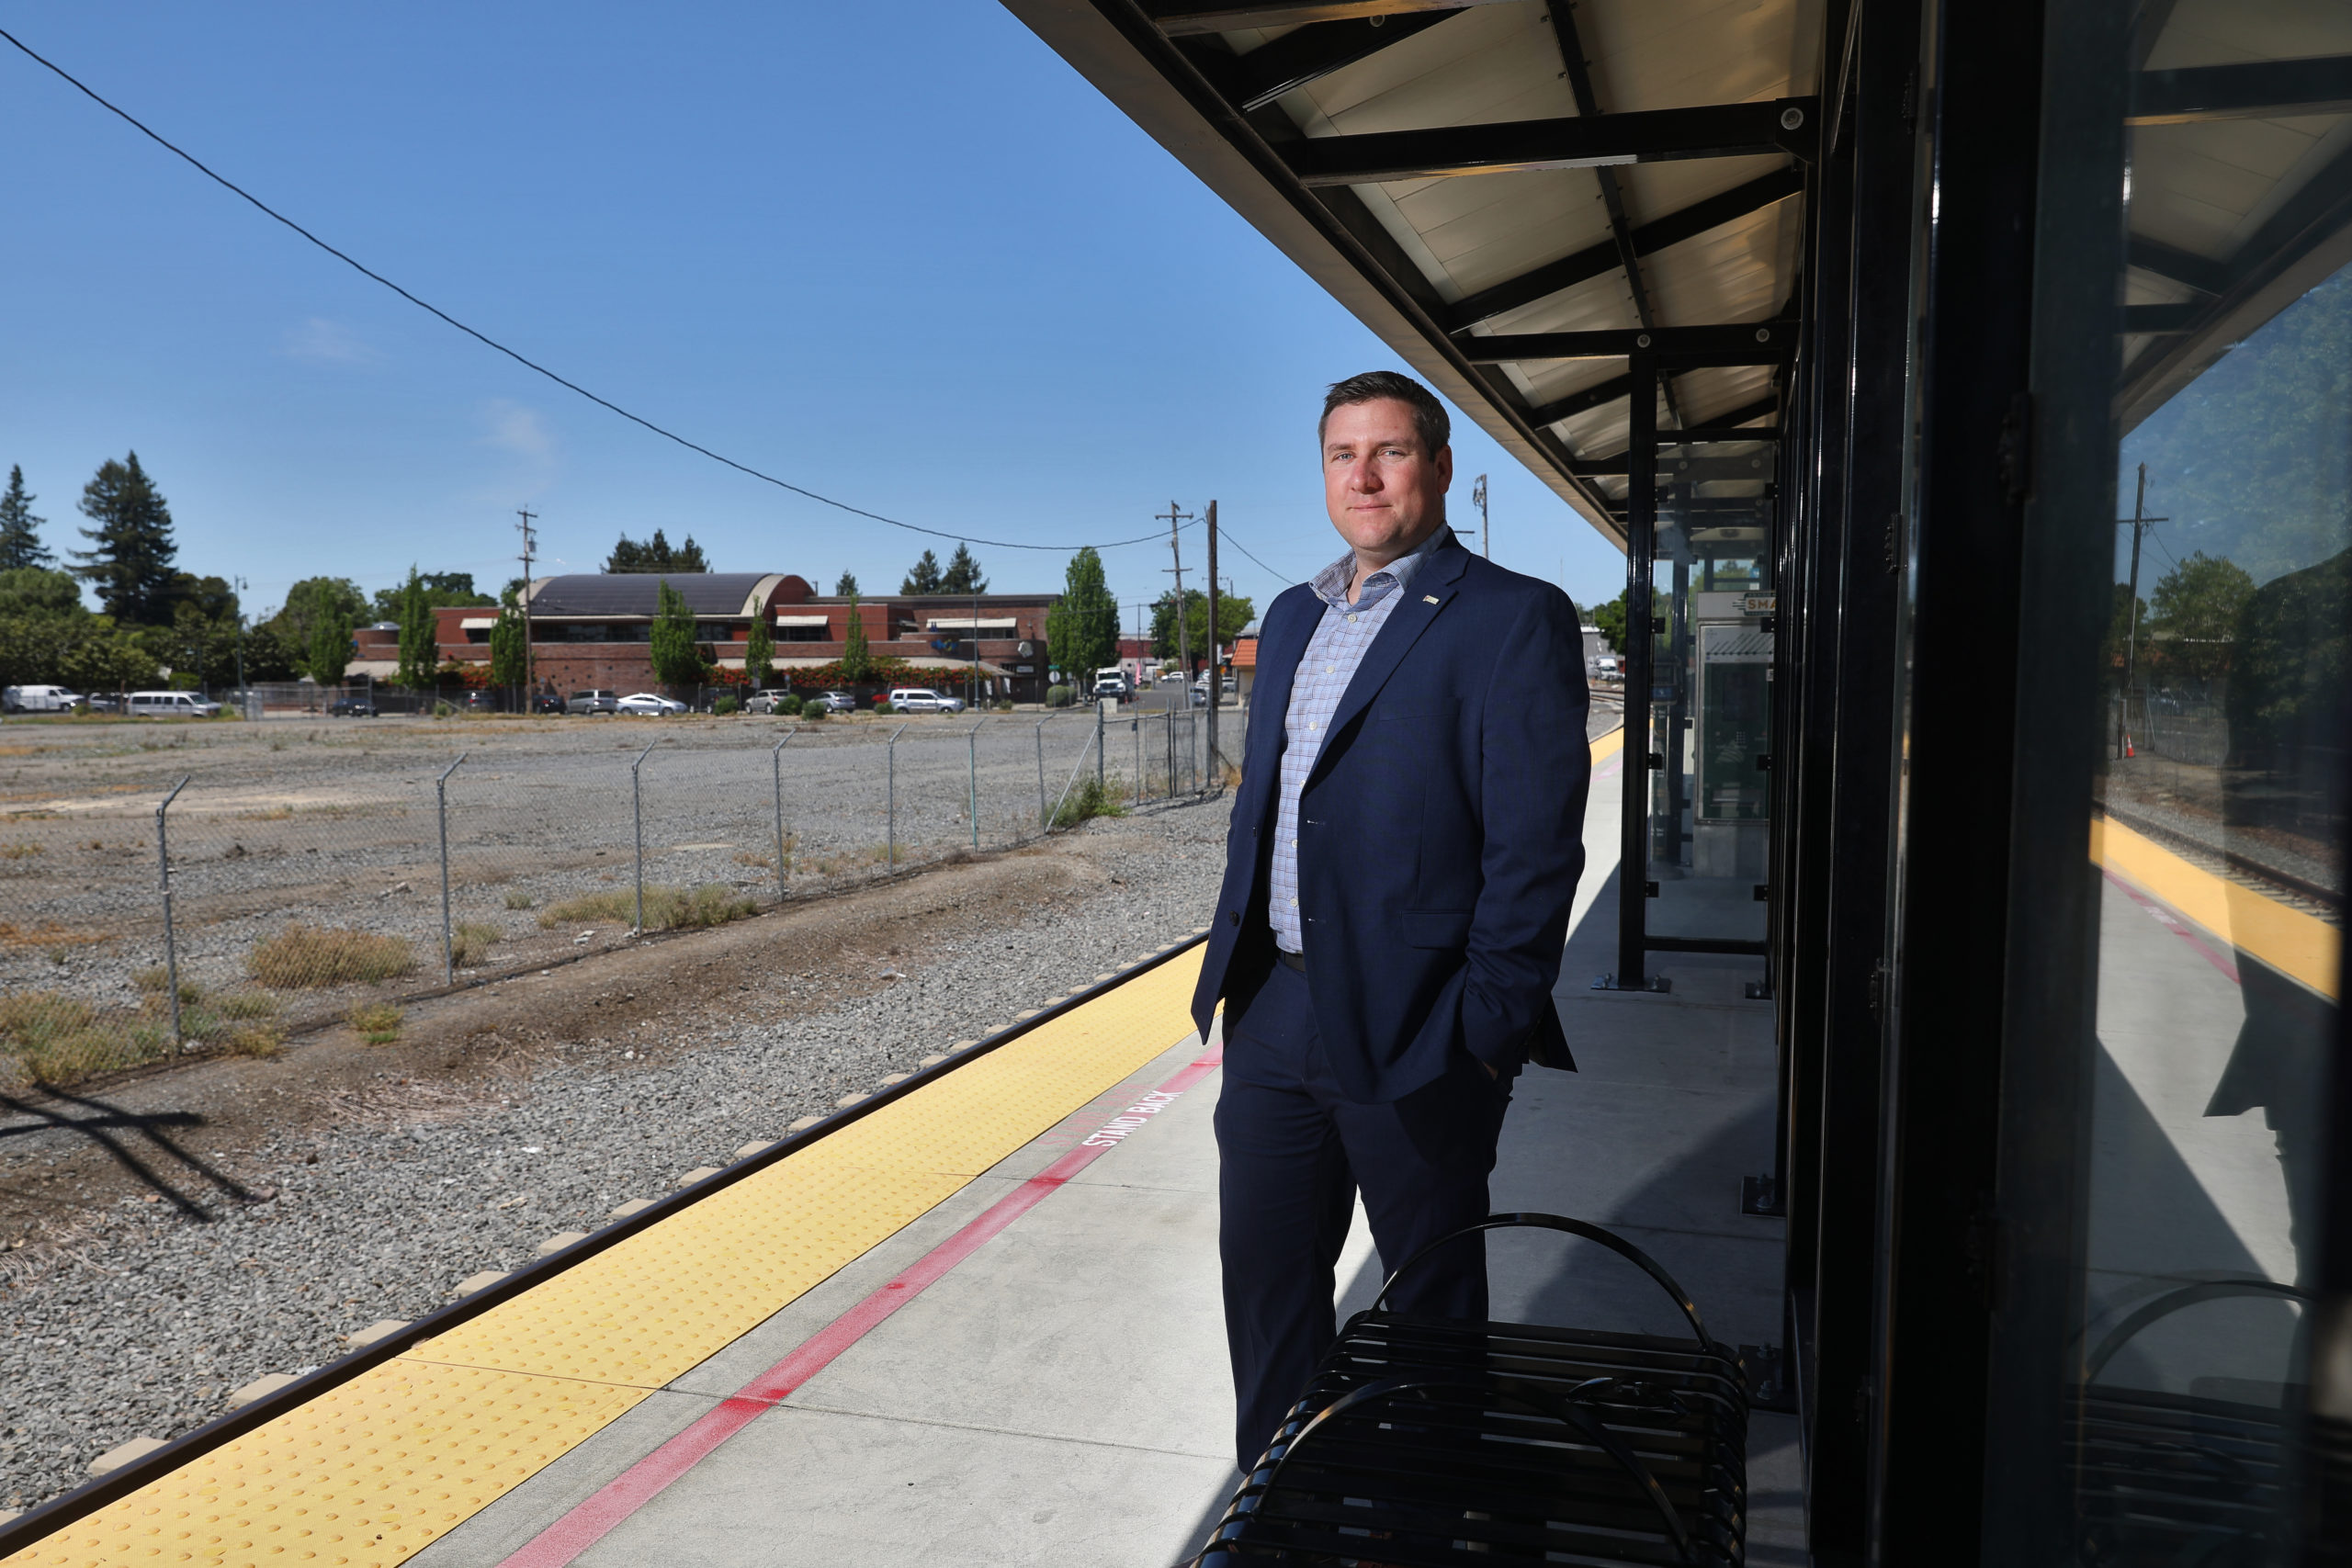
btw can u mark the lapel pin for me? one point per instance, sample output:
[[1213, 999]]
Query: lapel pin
[[1428, 598]]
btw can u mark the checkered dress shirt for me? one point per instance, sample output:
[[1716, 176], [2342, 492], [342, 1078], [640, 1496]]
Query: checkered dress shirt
[[1324, 672]]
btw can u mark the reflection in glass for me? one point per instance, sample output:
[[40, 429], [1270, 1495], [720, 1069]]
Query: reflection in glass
[[2218, 828]]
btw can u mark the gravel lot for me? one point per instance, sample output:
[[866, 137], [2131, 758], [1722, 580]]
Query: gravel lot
[[334, 823], [136, 1322]]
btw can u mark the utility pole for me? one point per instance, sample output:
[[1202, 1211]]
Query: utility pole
[[972, 681], [2139, 522], [244, 697], [1176, 520], [1216, 673], [530, 543], [1486, 527]]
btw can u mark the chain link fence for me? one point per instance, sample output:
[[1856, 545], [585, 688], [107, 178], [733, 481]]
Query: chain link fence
[[283, 883]]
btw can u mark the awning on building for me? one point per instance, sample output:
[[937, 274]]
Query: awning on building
[[381, 668], [477, 623], [966, 623], [804, 620]]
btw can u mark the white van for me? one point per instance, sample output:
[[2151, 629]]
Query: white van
[[1111, 681], [169, 704], [39, 699]]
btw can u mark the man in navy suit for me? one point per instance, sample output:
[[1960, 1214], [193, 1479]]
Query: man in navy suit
[[1405, 847]]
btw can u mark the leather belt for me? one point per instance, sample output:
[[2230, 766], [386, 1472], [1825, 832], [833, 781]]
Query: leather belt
[[1295, 960]]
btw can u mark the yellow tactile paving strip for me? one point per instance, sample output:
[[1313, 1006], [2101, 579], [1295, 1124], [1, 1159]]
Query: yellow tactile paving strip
[[371, 1472], [1608, 745], [2301, 947]]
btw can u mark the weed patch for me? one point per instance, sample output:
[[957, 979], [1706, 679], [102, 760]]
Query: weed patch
[[57, 1038], [470, 942], [1089, 797], [667, 908], [379, 1023], [520, 900], [326, 955], [21, 849]]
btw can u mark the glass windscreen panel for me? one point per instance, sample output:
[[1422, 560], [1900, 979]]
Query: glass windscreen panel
[[1710, 694], [2217, 812]]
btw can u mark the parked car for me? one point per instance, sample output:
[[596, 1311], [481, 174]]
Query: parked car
[[352, 707], [103, 701], [170, 705], [922, 699], [480, 701], [767, 699], [1111, 682], [649, 703], [547, 702], [40, 699], [599, 701], [833, 701]]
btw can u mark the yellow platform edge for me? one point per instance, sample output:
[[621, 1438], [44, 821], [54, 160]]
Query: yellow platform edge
[[371, 1472]]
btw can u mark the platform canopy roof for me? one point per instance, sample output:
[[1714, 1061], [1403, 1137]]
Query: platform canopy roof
[[1510, 194]]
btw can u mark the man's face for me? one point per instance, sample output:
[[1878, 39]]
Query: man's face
[[1384, 493]]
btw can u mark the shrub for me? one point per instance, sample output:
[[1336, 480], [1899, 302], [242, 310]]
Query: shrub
[[443, 710], [57, 1039], [379, 1023], [470, 942], [255, 1039], [723, 706], [1089, 798], [1058, 696], [884, 706], [155, 980], [248, 1005], [519, 900], [813, 710], [666, 908], [788, 704], [1002, 704], [327, 955]]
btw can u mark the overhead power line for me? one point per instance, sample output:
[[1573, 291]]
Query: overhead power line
[[489, 342]]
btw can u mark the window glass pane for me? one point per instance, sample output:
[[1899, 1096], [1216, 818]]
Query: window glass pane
[[2218, 807]]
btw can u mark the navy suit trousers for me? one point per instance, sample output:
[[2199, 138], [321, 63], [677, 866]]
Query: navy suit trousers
[[1293, 1155]]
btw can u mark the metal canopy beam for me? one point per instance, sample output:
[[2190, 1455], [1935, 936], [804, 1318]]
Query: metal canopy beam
[[1691, 222], [2181, 267], [1177, 18], [1737, 343], [1296, 59], [1717, 131], [1575, 403], [2259, 89]]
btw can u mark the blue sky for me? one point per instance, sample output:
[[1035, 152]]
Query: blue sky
[[904, 256]]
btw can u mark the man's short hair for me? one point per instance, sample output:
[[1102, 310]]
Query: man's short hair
[[1429, 415]]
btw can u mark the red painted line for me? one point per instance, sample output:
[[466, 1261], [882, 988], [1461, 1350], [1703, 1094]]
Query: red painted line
[[2175, 923], [642, 1482]]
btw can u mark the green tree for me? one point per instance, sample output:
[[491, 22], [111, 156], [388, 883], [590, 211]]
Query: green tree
[[199, 648], [1232, 614], [130, 560], [2195, 610], [310, 602], [676, 660], [420, 642], [35, 591], [846, 584], [857, 663], [963, 575], [926, 577], [1610, 619], [510, 655], [442, 590], [327, 648], [20, 543], [656, 555], [758, 655], [1083, 627]]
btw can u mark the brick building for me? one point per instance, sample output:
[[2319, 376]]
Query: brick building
[[596, 630]]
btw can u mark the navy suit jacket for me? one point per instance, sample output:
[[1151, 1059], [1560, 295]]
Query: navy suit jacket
[[1440, 834]]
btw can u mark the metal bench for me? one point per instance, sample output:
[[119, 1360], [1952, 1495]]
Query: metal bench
[[1423, 1442]]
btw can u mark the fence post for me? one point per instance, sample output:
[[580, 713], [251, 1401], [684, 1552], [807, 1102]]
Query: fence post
[[636, 823], [890, 753], [1135, 728], [972, 776], [1097, 746], [775, 763], [164, 871], [1077, 768], [1041, 775], [441, 811]]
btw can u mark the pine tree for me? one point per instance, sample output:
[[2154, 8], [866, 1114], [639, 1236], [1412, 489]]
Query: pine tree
[[131, 563], [676, 660], [963, 573], [846, 585], [656, 555], [924, 578], [857, 663], [1083, 628], [20, 543], [759, 656], [420, 655]]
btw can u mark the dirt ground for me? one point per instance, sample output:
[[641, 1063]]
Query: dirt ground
[[478, 1045]]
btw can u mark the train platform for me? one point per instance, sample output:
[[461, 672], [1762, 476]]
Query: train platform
[[978, 1324]]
